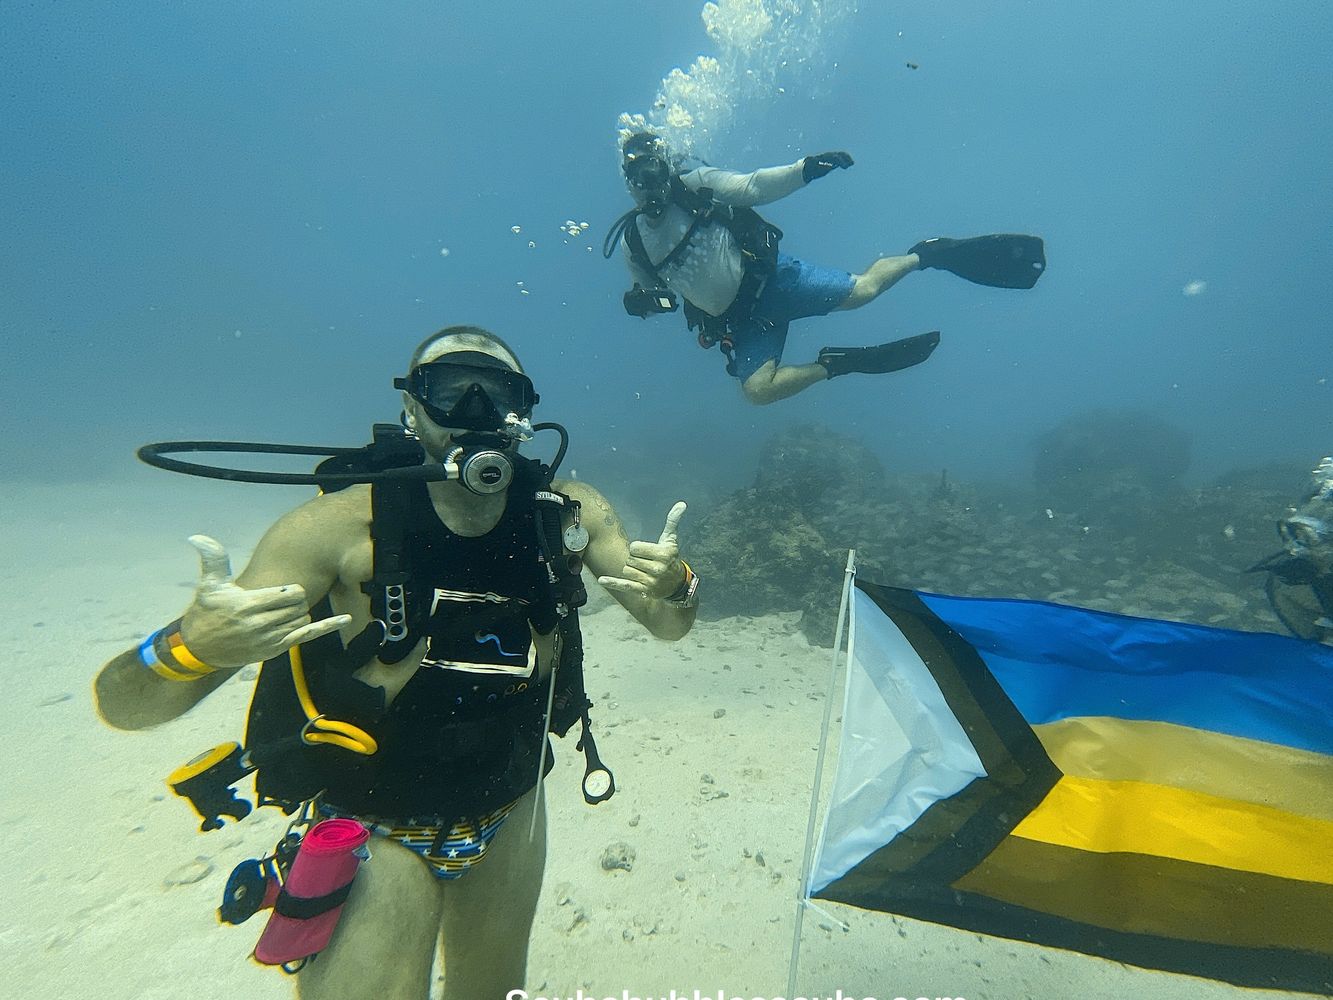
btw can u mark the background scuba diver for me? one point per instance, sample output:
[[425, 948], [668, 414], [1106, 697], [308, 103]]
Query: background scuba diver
[[694, 234], [399, 909], [1300, 577]]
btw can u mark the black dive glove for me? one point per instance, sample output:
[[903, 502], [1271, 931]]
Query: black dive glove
[[814, 167]]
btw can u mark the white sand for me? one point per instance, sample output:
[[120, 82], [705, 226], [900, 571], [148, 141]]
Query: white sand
[[110, 891]]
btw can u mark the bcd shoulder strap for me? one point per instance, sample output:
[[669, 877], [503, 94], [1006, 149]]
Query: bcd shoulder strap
[[390, 506], [701, 204]]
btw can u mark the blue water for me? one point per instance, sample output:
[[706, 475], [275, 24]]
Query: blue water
[[228, 220], [231, 220]]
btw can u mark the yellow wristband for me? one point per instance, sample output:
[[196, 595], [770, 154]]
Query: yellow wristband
[[183, 657], [162, 670], [167, 656], [148, 656]]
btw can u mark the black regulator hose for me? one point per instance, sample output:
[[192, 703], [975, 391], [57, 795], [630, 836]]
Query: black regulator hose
[[617, 231], [564, 442], [156, 455]]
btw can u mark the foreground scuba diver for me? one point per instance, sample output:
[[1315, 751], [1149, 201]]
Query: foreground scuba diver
[[1300, 577], [427, 722], [694, 234]]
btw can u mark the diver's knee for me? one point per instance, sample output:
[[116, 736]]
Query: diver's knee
[[759, 391], [858, 296], [761, 388]]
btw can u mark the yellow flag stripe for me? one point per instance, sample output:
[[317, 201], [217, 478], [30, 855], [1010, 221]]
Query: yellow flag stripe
[[1139, 818], [1196, 760]]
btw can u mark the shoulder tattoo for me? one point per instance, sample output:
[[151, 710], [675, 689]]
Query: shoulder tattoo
[[608, 515]]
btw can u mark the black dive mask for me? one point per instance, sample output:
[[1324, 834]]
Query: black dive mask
[[649, 177], [485, 398], [644, 172], [471, 391]]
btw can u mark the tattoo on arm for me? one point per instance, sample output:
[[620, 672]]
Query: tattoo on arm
[[608, 516]]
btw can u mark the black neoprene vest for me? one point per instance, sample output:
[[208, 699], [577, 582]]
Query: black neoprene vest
[[455, 742]]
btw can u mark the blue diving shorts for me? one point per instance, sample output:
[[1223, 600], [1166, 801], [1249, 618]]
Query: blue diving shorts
[[794, 291]]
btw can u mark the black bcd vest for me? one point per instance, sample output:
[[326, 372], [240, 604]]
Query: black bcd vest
[[481, 749]]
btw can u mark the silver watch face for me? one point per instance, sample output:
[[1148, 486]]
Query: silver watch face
[[576, 538]]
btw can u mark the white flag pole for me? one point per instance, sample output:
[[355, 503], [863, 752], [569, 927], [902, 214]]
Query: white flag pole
[[802, 889]]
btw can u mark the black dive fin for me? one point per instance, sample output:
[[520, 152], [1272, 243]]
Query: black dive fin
[[1299, 609], [891, 357], [1001, 260], [1289, 569]]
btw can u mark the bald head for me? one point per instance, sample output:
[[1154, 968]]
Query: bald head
[[453, 339]]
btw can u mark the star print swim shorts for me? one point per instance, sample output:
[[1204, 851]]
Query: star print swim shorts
[[450, 853]]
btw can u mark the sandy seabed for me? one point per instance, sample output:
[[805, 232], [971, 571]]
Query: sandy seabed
[[110, 890]]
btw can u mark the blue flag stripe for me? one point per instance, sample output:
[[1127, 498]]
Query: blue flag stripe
[[1056, 662]]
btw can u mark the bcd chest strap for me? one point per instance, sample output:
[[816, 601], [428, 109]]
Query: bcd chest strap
[[756, 239], [700, 204], [387, 586], [399, 615], [400, 619]]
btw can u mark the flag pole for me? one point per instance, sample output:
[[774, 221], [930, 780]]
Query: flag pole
[[849, 574]]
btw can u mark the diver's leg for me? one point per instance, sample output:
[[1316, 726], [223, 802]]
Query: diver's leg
[[487, 916], [878, 278], [773, 381], [384, 944]]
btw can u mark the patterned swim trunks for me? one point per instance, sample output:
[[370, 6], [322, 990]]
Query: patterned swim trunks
[[796, 290], [449, 853]]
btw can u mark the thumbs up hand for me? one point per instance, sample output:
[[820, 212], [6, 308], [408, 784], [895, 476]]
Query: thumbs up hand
[[653, 569], [229, 626]]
